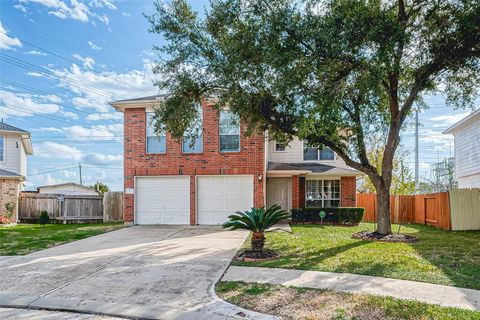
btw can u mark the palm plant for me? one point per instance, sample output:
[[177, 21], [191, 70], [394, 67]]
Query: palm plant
[[257, 220]]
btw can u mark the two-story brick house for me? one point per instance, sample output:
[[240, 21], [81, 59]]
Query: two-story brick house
[[172, 182]]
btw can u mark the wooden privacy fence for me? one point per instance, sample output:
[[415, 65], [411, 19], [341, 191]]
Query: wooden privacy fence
[[71, 208], [457, 209]]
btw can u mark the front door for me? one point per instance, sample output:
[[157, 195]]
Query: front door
[[279, 191]]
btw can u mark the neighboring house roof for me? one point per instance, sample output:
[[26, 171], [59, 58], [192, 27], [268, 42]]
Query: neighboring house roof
[[67, 184], [471, 118], [27, 143], [10, 175], [312, 167]]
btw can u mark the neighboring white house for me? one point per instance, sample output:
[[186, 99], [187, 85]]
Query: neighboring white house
[[69, 188], [466, 135], [15, 145]]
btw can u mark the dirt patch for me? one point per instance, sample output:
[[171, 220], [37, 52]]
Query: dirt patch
[[250, 255], [298, 303], [374, 236]]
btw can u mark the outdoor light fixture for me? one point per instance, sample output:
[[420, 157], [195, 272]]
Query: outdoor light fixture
[[260, 177]]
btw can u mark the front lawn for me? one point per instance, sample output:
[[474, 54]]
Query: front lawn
[[26, 238], [300, 303], [442, 257]]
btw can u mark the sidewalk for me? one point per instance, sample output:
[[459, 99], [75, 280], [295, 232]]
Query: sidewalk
[[401, 289]]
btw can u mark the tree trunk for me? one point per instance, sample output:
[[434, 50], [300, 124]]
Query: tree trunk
[[384, 226], [258, 241]]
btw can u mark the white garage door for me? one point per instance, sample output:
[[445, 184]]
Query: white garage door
[[162, 200], [220, 196]]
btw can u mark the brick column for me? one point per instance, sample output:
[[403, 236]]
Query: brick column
[[193, 201], [295, 192], [348, 186], [301, 199]]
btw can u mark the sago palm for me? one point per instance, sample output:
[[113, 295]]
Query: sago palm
[[257, 220]]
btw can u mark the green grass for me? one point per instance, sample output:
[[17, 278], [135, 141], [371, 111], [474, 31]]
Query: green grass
[[26, 238], [302, 303], [442, 257]]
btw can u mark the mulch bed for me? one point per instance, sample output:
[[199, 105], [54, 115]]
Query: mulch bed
[[375, 236], [250, 255]]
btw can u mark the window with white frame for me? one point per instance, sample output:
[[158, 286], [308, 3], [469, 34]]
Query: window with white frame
[[322, 193], [155, 143], [2, 148], [229, 131], [279, 146], [193, 137], [311, 153]]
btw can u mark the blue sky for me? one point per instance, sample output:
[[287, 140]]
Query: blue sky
[[61, 61]]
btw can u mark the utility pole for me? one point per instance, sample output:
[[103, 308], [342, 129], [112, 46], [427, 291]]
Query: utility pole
[[80, 171], [417, 182]]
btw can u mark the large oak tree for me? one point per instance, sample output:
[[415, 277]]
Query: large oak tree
[[334, 72]]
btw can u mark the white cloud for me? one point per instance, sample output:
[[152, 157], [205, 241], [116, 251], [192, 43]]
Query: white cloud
[[35, 53], [25, 105], [73, 9], [448, 120], [87, 61], [435, 139], [99, 132], [103, 3], [104, 116], [18, 6], [69, 174], [69, 114], [47, 129], [35, 74], [126, 14], [54, 150], [104, 19], [99, 88], [7, 42], [94, 47], [95, 157]]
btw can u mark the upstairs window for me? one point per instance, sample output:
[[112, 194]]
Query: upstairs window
[[229, 132], [193, 137], [2, 148], [279, 147], [317, 153], [155, 143]]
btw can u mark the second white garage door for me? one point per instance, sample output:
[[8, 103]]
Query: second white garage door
[[220, 196], [162, 200]]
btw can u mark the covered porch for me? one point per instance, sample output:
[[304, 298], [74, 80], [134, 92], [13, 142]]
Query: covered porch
[[298, 185]]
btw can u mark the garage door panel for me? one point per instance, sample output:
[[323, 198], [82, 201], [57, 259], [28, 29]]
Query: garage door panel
[[162, 200], [221, 196]]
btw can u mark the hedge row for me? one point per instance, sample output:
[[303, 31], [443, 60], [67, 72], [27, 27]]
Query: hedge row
[[345, 216]]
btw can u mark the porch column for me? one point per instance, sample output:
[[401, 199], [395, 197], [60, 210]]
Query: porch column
[[295, 192], [348, 186]]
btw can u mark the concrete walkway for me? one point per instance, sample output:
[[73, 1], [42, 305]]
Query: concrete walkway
[[401, 289], [164, 272]]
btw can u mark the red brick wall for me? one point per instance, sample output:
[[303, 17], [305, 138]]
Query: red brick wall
[[250, 159], [348, 187], [295, 192]]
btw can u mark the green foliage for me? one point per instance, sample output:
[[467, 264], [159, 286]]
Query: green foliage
[[403, 182], [100, 187], [43, 219], [256, 219], [341, 215], [334, 73], [9, 209]]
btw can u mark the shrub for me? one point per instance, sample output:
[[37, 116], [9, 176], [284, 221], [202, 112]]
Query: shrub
[[43, 219], [9, 209], [344, 216]]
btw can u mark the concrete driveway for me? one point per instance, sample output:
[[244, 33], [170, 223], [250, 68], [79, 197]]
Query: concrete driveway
[[163, 272]]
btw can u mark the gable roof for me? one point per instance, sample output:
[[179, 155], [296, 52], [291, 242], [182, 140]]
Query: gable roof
[[6, 127], [121, 105], [26, 141], [66, 184], [471, 118]]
